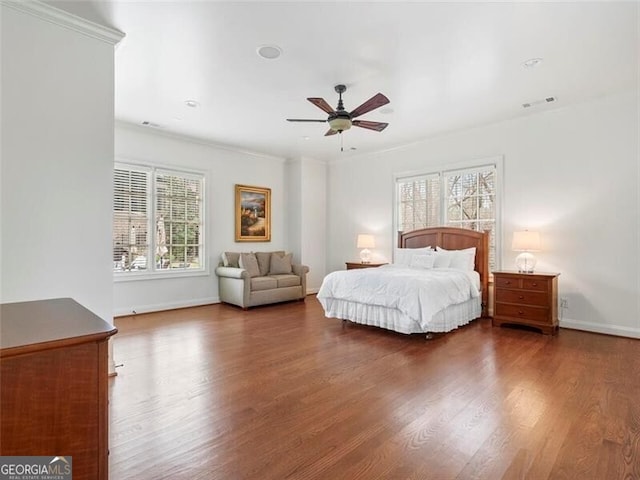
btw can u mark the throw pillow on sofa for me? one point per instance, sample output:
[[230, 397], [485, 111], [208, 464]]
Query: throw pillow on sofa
[[264, 261], [249, 262], [280, 264], [231, 259]]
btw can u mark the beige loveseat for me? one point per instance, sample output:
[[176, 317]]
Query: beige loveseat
[[251, 279]]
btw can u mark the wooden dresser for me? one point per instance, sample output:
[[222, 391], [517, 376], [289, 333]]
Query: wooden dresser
[[53, 384], [355, 265], [526, 299]]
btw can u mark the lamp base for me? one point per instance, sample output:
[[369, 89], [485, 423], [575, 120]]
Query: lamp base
[[526, 262], [365, 255]]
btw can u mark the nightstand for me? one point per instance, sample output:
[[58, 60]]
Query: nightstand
[[354, 265], [526, 299]]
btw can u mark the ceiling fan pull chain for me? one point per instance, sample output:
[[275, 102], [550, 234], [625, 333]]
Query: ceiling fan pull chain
[[341, 142]]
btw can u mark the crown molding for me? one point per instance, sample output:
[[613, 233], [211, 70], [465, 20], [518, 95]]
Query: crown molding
[[64, 19], [194, 140]]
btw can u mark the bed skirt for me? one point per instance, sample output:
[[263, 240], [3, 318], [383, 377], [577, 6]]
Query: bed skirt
[[446, 320]]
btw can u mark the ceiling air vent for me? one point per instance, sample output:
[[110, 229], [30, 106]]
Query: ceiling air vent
[[147, 123], [539, 102]]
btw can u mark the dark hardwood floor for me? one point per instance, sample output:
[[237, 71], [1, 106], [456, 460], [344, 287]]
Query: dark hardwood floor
[[281, 392]]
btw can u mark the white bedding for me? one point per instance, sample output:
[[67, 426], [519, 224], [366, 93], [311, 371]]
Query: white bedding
[[406, 300]]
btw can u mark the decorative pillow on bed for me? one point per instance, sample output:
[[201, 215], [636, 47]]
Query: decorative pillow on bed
[[425, 261], [249, 262], [460, 259], [280, 264], [403, 256]]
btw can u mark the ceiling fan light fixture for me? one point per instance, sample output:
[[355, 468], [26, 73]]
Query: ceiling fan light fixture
[[339, 124]]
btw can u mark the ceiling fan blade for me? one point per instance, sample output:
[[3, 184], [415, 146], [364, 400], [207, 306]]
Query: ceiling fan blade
[[330, 132], [304, 120], [374, 102], [377, 126], [321, 103]]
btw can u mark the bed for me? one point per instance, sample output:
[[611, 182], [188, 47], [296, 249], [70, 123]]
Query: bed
[[408, 299]]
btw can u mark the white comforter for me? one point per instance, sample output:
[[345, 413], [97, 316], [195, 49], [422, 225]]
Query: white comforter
[[417, 293]]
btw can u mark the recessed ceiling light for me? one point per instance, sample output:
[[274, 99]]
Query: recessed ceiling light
[[305, 138], [191, 103], [531, 63], [386, 110], [270, 52]]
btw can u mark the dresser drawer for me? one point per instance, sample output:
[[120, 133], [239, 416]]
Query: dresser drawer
[[538, 314], [522, 297]]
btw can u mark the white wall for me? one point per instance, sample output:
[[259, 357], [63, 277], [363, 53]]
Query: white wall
[[307, 213], [223, 168], [571, 173], [57, 157]]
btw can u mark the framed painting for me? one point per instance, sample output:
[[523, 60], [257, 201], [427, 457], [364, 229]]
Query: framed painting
[[253, 214]]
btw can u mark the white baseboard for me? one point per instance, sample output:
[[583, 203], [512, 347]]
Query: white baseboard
[[600, 328], [158, 307], [312, 291]]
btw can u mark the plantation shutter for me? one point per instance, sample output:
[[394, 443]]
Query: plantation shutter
[[130, 218], [418, 202]]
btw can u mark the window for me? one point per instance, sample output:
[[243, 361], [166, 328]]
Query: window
[[462, 198], [157, 220]]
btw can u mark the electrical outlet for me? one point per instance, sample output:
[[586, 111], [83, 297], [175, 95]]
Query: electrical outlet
[[564, 303]]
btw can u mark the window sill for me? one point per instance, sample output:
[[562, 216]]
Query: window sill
[[143, 276]]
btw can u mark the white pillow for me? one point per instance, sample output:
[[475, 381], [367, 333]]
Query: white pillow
[[403, 256], [442, 260], [460, 259], [425, 261]]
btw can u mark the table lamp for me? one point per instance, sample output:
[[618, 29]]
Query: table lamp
[[365, 242], [526, 242]]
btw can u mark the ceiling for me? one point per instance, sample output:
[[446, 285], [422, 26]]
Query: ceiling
[[444, 66]]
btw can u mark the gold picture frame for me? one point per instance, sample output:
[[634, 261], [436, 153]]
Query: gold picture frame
[[253, 214]]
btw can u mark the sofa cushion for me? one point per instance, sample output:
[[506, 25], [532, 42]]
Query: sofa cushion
[[263, 283], [249, 262], [231, 259], [287, 280], [280, 264]]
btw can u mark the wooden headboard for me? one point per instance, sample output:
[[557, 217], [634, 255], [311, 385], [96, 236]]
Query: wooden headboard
[[451, 238]]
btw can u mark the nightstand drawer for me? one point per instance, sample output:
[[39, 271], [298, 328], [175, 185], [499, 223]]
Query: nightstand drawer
[[535, 284], [506, 282], [539, 314], [522, 297]]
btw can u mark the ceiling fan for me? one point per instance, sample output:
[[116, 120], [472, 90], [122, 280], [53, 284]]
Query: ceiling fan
[[340, 120]]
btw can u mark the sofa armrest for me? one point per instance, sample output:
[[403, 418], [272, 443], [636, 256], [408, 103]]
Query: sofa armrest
[[232, 272], [234, 285], [301, 271]]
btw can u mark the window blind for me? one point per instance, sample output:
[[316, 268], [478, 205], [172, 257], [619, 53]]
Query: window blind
[[157, 220]]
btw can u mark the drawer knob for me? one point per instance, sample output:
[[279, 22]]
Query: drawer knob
[[521, 297], [534, 284], [520, 312], [507, 282]]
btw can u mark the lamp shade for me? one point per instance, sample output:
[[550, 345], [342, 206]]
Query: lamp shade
[[526, 241], [366, 241]]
